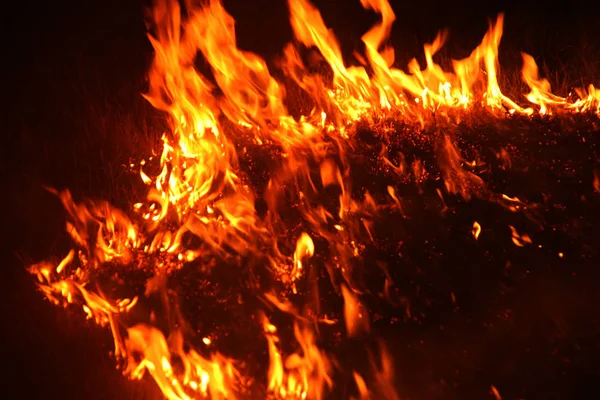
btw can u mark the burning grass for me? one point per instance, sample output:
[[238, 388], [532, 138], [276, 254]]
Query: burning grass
[[275, 235]]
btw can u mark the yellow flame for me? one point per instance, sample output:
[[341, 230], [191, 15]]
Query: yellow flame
[[476, 230], [302, 375], [201, 191]]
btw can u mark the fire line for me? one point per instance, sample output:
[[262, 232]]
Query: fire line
[[200, 216]]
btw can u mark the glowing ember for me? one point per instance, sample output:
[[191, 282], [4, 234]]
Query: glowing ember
[[201, 213]]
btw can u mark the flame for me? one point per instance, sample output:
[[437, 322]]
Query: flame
[[476, 230], [495, 393], [355, 314], [200, 206], [215, 377], [518, 239], [383, 377], [304, 249], [302, 375]]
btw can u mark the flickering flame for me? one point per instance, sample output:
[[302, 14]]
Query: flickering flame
[[355, 314], [202, 193], [476, 230], [383, 377], [302, 375], [496, 393], [519, 239], [304, 248]]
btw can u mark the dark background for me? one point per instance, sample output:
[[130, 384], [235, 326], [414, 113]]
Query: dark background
[[74, 71]]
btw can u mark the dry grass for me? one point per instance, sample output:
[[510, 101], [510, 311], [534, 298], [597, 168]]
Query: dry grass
[[85, 136]]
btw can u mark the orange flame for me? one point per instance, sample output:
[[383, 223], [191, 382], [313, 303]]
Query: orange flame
[[476, 230], [355, 314], [202, 192], [302, 375]]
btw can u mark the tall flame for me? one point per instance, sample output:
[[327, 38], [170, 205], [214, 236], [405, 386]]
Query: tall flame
[[201, 207]]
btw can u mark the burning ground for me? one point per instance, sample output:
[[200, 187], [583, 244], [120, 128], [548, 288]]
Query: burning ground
[[320, 230]]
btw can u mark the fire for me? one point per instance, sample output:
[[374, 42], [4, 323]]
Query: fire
[[216, 376], [476, 230], [304, 248], [355, 314], [201, 211], [518, 239], [301, 375], [495, 393]]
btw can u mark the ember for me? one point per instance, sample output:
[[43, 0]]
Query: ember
[[276, 228]]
